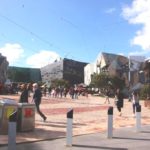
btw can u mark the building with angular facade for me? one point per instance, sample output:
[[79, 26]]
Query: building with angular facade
[[123, 67], [67, 69]]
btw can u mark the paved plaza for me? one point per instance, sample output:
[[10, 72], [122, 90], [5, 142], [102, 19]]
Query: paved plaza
[[89, 118]]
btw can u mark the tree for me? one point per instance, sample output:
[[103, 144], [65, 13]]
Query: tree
[[105, 81], [100, 80], [117, 82]]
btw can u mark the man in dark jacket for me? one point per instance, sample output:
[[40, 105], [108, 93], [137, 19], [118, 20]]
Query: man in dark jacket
[[24, 94], [37, 100], [119, 97]]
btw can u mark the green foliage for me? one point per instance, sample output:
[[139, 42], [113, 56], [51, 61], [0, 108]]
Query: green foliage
[[144, 92], [106, 81], [99, 80], [117, 82]]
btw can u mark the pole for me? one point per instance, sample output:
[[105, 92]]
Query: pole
[[69, 127], [129, 77], [149, 78], [110, 123], [12, 131], [138, 118]]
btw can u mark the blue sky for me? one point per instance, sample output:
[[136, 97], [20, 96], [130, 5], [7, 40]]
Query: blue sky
[[34, 33]]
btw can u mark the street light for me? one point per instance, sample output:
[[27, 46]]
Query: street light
[[148, 77]]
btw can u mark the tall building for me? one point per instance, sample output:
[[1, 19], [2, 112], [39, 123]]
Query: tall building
[[19, 74], [3, 69], [67, 69], [89, 69]]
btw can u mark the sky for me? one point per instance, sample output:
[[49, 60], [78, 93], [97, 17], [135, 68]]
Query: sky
[[35, 33]]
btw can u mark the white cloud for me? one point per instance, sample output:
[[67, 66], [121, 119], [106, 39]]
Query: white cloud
[[138, 53], [13, 52], [139, 13], [42, 58], [110, 10]]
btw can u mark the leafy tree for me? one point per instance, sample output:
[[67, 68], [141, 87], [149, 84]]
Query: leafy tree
[[144, 92], [105, 81], [100, 80], [117, 82]]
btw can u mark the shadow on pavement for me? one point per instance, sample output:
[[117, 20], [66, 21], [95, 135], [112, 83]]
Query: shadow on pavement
[[98, 147], [128, 138]]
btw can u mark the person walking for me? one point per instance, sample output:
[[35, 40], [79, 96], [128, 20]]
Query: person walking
[[37, 94], [107, 97], [24, 94], [119, 100], [135, 101]]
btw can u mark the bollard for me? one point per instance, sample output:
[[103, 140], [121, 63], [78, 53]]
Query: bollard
[[138, 118], [110, 123], [69, 127], [12, 131]]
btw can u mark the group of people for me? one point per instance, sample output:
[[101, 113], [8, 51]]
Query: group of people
[[37, 95], [60, 92], [119, 100]]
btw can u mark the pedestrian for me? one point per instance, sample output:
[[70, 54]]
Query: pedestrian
[[29, 88], [119, 100], [24, 94], [107, 97], [37, 95], [135, 101]]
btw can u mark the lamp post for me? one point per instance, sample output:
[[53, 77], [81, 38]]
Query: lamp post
[[148, 79]]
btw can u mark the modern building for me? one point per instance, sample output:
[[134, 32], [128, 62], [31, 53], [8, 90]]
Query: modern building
[[117, 65], [89, 69], [3, 69], [67, 69], [19, 74]]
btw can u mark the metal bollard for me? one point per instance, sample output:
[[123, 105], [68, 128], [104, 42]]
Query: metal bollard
[[12, 131], [138, 118], [110, 123], [69, 127]]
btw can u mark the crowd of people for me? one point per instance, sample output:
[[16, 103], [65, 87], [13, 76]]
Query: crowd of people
[[60, 92], [38, 92]]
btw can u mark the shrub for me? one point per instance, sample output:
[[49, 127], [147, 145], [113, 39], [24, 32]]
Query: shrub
[[144, 92]]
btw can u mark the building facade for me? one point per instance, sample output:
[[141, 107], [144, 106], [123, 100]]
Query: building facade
[[117, 65], [67, 69], [19, 74], [3, 69], [89, 69]]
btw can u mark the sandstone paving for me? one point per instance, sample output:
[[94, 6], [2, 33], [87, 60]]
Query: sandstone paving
[[90, 116]]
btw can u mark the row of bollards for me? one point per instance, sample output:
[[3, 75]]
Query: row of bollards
[[109, 123], [69, 132]]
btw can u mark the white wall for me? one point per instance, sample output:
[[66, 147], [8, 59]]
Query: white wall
[[88, 71]]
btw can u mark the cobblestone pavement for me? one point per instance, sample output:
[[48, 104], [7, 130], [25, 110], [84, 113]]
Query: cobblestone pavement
[[90, 116]]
